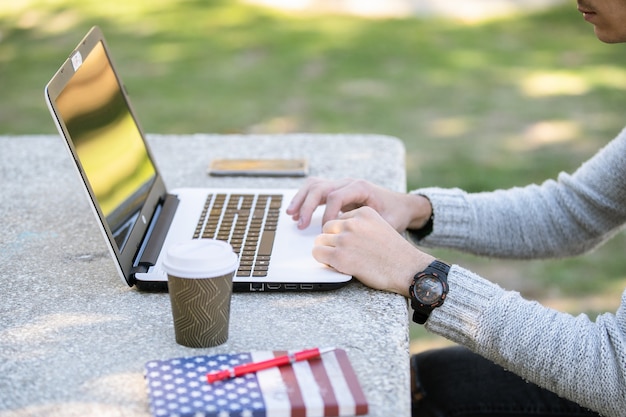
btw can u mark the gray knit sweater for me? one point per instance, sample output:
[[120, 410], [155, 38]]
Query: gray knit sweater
[[574, 357]]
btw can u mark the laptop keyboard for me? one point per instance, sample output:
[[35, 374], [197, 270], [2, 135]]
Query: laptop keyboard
[[246, 221]]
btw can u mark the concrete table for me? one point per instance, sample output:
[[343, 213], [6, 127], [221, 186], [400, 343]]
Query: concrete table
[[74, 338]]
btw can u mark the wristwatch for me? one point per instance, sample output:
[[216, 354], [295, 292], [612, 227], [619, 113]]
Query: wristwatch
[[428, 290]]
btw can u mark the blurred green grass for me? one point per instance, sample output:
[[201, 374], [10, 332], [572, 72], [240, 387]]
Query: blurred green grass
[[480, 106]]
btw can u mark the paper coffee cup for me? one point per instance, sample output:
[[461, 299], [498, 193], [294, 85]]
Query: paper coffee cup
[[200, 273]]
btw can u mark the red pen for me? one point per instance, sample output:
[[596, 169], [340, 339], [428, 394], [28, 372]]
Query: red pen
[[247, 368]]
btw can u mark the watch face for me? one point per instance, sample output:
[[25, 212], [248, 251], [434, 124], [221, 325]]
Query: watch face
[[428, 290]]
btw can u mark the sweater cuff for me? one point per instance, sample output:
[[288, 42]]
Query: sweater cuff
[[458, 319], [451, 218]]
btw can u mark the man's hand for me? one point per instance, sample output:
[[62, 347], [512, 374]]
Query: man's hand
[[362, 244], [400, 210]]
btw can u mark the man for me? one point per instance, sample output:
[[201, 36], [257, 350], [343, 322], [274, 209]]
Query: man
[[608, 18], [538, 362]]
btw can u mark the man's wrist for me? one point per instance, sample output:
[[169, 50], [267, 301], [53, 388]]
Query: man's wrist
[[405, 275], [421, 212]]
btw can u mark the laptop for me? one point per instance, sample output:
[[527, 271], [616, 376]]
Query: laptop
[[140, 218]]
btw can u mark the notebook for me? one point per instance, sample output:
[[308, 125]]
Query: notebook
[[140, 218], [326, 386]]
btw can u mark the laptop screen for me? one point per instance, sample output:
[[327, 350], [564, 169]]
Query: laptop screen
[[107, 141]]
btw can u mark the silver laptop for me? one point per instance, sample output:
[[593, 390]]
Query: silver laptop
[[140, 218]]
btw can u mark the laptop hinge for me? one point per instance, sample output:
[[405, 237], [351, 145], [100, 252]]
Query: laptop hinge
[[155, 236]]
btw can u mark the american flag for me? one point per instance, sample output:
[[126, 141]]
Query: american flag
[[320, 387]]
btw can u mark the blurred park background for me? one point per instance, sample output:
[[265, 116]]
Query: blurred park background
[[483, 97]]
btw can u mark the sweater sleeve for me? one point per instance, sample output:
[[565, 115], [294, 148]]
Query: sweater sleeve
[[579, 359], [562, 217], [576, 358]]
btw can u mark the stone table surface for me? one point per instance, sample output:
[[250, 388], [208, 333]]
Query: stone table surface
[[74, 338]]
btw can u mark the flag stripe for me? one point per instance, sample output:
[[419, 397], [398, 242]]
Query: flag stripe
[[339, 384], [273, 388], [298, 408], [311, 391], [318, 367], [353, 382]]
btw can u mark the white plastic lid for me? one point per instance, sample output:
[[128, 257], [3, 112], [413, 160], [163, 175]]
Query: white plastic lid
[[200, 258]]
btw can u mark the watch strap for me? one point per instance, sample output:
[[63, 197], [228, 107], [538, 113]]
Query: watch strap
[[420, 318]]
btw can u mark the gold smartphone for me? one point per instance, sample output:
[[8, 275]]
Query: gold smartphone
[[259, 167]]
